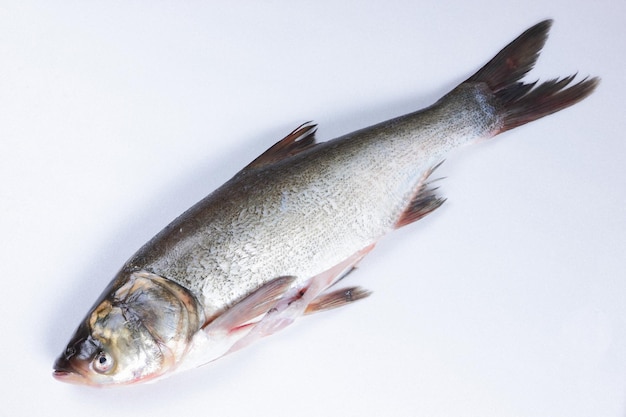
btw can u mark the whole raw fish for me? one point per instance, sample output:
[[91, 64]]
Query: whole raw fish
[[264, 248]]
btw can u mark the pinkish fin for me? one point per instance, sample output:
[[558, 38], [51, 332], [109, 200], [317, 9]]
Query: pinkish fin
[[294, 302], [252, 306], [336, 299], [302, 138], [424, 201], [345, 274], [522, 103]]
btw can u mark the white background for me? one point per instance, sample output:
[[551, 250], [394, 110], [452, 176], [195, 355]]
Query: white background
[[508, 301]]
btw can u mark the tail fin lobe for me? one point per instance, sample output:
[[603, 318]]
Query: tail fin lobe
[[525, 102], [549, 97]]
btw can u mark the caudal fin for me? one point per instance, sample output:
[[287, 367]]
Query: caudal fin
[[522, 103]]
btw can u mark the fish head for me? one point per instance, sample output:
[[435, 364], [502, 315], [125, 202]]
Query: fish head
[[136, 332]]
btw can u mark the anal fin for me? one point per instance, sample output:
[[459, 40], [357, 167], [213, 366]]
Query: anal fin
[[424, 201]]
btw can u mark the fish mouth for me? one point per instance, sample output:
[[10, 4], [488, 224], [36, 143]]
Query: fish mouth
[[69, 377], [64, 371], [63, 376]]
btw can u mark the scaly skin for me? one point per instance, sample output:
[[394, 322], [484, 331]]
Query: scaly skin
[[307, 213]]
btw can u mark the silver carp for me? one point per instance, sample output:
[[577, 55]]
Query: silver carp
[[265, 247]]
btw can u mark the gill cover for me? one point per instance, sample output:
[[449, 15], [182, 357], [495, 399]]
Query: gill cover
[[138, 331]]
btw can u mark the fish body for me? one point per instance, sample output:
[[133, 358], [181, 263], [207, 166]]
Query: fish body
[[301, 215], [264, 248]]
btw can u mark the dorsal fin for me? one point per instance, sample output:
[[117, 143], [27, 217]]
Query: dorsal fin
[[302, 138]]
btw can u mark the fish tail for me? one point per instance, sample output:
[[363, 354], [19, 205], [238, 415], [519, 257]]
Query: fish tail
[[518, 102]]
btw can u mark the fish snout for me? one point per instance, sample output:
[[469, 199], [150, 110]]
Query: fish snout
[[71, 366], [65, 370]]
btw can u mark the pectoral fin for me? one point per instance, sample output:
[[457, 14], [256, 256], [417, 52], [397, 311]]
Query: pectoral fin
[[252, 306], [279, 302]]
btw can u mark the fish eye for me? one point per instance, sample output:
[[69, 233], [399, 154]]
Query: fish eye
[[103, 362]]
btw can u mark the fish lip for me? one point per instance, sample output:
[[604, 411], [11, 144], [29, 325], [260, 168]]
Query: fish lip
[[69, 377], [65, 371], [70, 365], [61, 375]]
